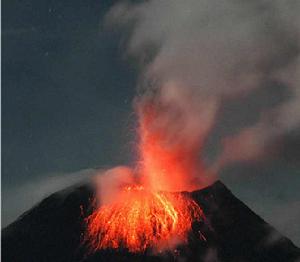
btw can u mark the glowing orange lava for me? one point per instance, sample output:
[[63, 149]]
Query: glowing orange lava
[[146, 217], [166, 162], [142, 220]]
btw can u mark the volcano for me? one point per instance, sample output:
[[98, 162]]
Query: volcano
[[54, 229]]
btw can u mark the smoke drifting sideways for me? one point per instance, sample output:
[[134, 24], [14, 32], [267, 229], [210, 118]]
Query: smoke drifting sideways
[[196, 55]]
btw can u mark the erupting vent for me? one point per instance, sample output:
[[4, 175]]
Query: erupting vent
[[142, 219], [144, 216]]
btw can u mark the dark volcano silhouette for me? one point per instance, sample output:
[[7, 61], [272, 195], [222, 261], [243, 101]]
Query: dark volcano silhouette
[[53, 230]]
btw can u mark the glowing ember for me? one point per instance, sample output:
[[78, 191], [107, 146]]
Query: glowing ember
[[142, 220], [145, 217]]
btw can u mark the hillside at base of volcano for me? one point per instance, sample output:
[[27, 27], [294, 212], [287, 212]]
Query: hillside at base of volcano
[[54, 228]]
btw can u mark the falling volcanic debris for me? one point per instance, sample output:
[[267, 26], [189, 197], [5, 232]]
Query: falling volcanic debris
[[204, 54], [184, 86], [51, 231], [142, 220], [142, 216]]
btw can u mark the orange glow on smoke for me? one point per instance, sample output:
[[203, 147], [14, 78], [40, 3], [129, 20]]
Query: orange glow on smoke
[[167, 163], [143, 219], [149, 216]]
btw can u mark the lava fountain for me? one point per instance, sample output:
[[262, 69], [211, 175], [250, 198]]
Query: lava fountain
[[146, 215], [142, 220]]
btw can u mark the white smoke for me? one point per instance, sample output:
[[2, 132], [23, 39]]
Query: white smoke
[[209, 51], [109, 182], [17, 200]]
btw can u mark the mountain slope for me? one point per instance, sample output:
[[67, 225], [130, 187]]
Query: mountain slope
[[52, 231]]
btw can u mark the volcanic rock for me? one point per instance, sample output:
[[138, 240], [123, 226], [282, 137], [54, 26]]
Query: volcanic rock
[[53, 231]]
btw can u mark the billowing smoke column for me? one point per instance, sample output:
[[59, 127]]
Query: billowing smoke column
[[195, 56], [171, 140]]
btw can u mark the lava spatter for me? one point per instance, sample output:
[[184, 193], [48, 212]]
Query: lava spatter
[[142, 220]]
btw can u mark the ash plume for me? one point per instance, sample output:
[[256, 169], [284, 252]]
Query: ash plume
[[196, 55]]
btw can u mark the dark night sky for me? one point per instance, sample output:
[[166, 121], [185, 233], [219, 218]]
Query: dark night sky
[[66, 90], [67, 95]]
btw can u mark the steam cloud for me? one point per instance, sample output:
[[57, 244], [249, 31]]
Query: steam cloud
[[196, 55]]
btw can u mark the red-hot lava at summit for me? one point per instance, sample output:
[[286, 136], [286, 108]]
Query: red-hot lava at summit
[[146, 215]]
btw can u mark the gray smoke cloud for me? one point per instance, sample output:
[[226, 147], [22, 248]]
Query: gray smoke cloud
[[196, 55], [16, 200]]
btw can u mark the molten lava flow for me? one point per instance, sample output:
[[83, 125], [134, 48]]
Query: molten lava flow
[[142, 220], [145, 217]]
